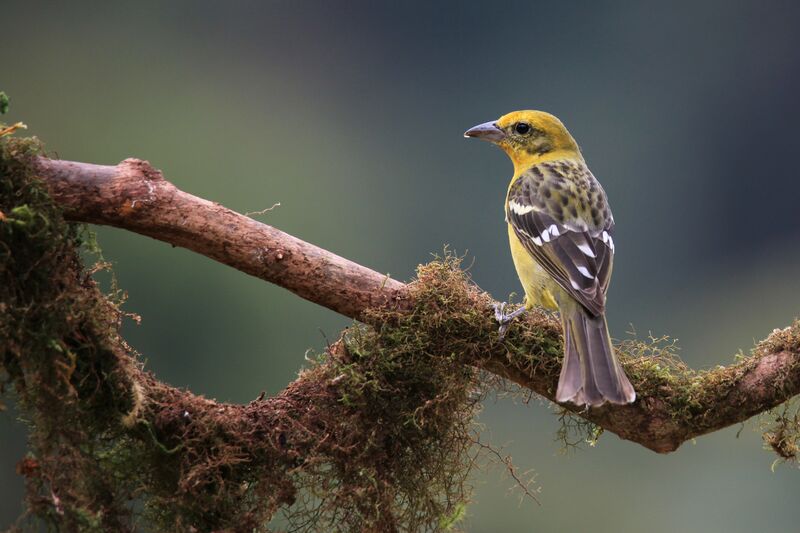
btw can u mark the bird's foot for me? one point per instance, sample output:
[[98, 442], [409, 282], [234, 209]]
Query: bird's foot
[[505, 318]]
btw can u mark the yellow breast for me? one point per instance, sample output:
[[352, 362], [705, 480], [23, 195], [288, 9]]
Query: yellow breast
[[539, 286]]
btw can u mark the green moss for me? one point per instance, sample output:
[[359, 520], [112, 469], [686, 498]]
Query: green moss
[[448, 522], [657, 371], [408, 402]]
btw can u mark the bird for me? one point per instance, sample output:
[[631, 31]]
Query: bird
[[560, 230]]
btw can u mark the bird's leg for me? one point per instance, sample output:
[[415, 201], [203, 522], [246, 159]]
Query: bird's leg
[[505, 318]]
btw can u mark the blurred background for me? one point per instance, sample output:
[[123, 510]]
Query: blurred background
[[351, 116]]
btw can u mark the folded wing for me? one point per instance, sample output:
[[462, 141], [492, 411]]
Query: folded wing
[[577, 253]]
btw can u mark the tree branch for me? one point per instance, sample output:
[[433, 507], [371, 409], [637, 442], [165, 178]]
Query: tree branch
[[135, 196], [674, 405]]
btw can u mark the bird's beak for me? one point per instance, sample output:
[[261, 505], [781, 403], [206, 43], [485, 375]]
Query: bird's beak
[[488, 131]]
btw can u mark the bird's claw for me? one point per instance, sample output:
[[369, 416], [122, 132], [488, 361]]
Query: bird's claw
[[499, 312], [505, 318], [501, 331]]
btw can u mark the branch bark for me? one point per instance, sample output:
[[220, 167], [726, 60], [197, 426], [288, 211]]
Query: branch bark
[[134, 196]]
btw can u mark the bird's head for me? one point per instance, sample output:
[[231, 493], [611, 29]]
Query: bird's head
[[527, 136]]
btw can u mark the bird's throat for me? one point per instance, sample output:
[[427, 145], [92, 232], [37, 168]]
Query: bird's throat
[[524, 160]]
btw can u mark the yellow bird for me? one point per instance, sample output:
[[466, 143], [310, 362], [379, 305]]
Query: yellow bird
[[560, 229]]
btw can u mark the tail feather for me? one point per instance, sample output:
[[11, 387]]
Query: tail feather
[[570, 382], [591, 374]]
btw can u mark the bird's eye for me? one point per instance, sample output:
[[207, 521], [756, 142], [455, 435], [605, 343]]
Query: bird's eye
[[522, 128]]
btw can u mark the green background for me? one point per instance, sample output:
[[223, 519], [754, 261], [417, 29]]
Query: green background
[[351, 116]]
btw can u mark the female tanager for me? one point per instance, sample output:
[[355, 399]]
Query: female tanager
[[560, 229]]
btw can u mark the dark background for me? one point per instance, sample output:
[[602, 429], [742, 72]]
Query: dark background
[[351, 115]]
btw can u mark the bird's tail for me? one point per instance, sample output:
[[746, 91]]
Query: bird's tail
[[591, 374]]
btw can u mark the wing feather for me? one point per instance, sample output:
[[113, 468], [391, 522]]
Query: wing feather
[[577, 254]]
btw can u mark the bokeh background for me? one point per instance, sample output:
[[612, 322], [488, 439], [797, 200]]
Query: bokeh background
[[351, 114]]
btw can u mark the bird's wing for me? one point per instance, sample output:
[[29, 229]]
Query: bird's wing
[[577, 253]]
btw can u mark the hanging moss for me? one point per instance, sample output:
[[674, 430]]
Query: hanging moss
[[54, 349]]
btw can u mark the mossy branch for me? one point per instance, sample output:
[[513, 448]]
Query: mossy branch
[[674, 405], [375, 436]]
